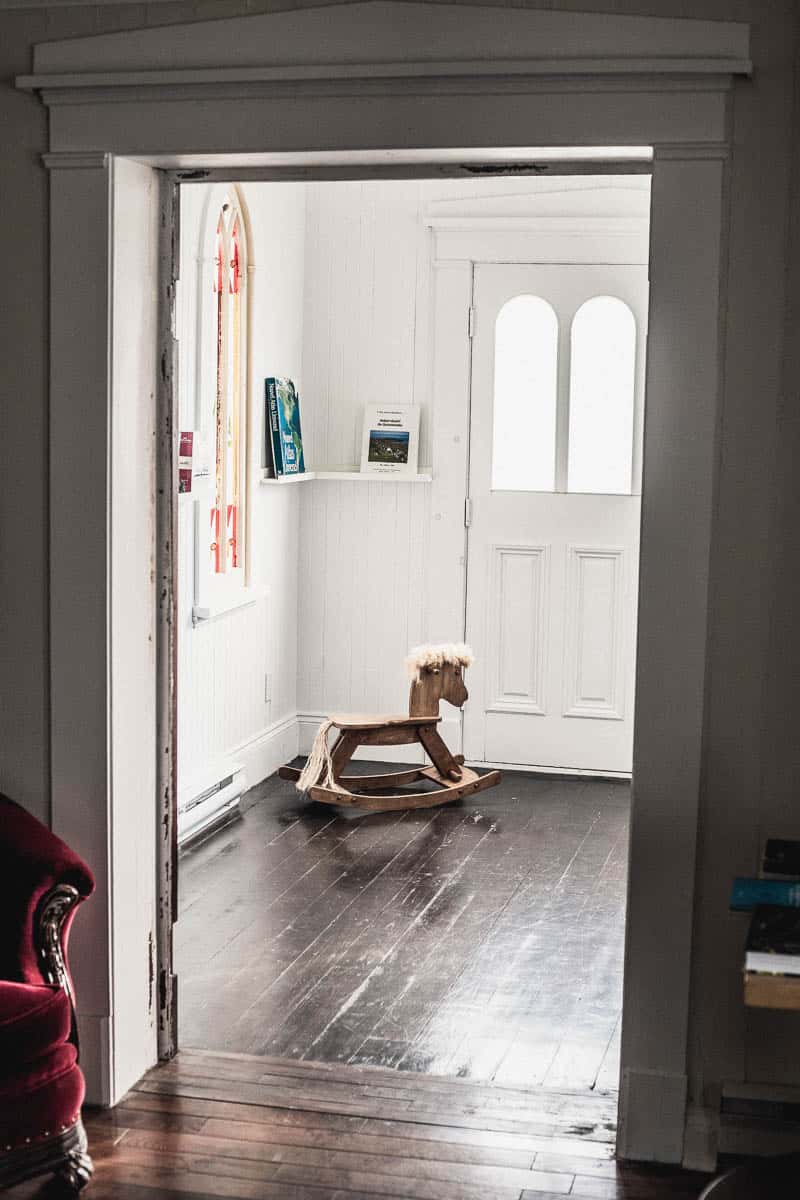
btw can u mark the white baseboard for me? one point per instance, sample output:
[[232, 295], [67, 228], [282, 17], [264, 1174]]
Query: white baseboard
[[271, 748], [701, 1138], [651, 1116], [95, 1039], [450, 729], [555, 772]]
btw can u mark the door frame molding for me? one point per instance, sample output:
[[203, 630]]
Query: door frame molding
[[575, 80], [477, 241]]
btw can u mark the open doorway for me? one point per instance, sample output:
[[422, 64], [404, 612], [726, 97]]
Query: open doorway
[[483, 939]]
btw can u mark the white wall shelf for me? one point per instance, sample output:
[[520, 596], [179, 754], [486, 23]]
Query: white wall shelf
[[282, 480], [348, 476]]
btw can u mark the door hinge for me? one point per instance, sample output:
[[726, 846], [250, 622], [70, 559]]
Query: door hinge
[[471, 321], [467, 512]]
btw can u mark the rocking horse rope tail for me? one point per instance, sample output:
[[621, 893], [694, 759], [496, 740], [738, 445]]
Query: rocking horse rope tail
[[319, 767]]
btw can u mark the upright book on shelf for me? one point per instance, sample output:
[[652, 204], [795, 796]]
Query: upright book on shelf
[[390, 440], [284, 436], [773, 944]]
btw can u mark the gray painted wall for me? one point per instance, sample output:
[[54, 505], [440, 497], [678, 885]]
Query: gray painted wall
[[752, 766]]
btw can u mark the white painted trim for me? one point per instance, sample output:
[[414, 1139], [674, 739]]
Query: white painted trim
[[553, 772], [386, 39], [582, 227], [470, 68], [626, 159], [243, 597], [498, 230], [652, 1108], [344, 476], [276, 744], [524, 246]]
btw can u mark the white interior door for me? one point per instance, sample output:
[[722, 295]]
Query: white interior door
[[554, 482]]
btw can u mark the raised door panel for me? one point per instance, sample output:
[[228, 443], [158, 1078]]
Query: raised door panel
[[594, 683], [518, 627]]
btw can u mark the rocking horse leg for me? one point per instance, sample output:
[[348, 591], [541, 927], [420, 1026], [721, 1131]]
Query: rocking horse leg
[[440, 756], [343, 750]]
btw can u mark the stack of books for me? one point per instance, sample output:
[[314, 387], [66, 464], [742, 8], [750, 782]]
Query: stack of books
[[772, 956]]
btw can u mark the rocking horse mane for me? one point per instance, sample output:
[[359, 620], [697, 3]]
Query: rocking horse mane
[[437, 656]]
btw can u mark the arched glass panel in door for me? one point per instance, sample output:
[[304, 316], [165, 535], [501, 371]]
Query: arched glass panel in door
[[601, 397], [525, 392]]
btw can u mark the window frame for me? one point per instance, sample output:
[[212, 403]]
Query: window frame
[[631, 490], [566, 312], [218, 592], [547, 311]]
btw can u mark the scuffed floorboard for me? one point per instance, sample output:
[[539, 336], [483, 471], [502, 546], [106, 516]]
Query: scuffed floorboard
[[482, 939], [223, 1125]]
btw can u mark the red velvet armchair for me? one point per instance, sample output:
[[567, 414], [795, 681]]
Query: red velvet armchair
[[41, 1086]]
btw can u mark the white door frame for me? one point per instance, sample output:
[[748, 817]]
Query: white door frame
[[172, 97]]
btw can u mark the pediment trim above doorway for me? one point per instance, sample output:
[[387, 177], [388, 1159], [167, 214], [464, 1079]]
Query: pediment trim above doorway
[[391, 39]]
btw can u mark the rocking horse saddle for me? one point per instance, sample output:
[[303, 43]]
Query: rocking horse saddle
[[371, 721]]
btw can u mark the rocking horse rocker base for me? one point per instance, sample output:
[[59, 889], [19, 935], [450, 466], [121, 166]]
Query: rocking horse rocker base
[[437, 675]]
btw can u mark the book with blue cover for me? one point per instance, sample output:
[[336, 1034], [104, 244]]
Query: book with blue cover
[[283, 424], [748, 894]]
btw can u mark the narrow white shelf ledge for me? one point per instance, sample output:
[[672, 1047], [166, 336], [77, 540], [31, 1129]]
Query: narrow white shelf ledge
[[281, 480], [349, 476]]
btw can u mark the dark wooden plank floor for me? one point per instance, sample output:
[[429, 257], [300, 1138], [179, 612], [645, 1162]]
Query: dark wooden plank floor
[[271, 1129], [482, 939]]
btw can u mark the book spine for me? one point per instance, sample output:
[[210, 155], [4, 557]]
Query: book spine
[[290, 463], [275, 427], [269, 453], [750, 893]]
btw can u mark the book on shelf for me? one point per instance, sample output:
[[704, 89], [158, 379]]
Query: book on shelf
[[389, 444], [781, 857], [747, 894], [282, 423], [773, 944]]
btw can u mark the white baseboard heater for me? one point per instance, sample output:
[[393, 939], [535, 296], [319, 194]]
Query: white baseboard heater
[[200, 811]]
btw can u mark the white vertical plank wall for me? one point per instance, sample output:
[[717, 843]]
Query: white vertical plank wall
[[367, 338]]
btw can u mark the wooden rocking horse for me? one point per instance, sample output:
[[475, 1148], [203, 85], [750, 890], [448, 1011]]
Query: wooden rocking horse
[[437, 673]]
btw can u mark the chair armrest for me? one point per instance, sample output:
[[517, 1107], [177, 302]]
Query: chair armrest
[[41, 883]]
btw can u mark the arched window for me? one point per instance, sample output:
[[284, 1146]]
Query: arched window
[[525, 396], [228, 282], [601, 397]]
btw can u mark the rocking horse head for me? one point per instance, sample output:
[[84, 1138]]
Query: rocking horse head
[[437, 673]]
